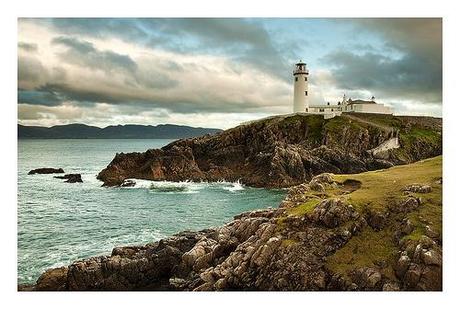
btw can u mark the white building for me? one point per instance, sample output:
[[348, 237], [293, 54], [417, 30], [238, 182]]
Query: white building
[[345, 106], [300, 87]]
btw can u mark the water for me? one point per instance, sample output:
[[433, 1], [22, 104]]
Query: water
[[61, 222]]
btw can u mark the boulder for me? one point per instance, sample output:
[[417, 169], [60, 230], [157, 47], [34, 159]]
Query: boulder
[[391, 286], [409, 204], [367, 278], [418, 188], [46, 170], [326, 178], [402, 264], [70, 178], [431, 257], [128, 183], [53, 280], [376, 219], [333, 212]]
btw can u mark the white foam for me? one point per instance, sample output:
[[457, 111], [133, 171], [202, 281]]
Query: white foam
[[235, 186], [183, 187]]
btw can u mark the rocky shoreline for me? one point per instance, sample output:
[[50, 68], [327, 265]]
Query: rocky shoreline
[[302, 245], [284, 151]]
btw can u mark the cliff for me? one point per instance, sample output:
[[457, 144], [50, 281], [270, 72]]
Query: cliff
[[283, 151], [378, 230]]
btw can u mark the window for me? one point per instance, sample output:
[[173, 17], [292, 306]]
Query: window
[[321, 109], [305, 79], [296, 79], [306, 109], [306, 92]]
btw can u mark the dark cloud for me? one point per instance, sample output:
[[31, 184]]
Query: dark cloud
[[414, 71], [39, 97], [66, 92], [30, 71], [28, 47], [240, 39], [84, 54], [124, 28]]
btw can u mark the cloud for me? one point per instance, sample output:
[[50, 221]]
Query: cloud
[[141, 70], [102, 115], [28, 47], [414, 73], [84, 54], [239, 39], [39, 97], [153, 79]]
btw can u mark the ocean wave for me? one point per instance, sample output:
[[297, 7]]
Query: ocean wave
[[184, 187]]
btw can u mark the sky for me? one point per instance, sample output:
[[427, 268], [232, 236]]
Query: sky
[[219, 72]]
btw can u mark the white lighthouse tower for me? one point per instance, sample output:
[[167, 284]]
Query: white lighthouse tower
[[300, 87]]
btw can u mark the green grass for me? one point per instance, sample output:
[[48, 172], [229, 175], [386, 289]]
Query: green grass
[[364, 250], [314, 125], [384, 120], [379, 189], [304, 208]]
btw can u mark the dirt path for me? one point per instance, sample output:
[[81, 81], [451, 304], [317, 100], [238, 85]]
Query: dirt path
[[383, 127]]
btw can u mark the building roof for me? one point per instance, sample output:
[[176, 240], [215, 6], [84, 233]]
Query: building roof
[[324, 106], [360, 102]]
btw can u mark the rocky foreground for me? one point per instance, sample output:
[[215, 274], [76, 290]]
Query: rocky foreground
[[286, 150], [377, 230]]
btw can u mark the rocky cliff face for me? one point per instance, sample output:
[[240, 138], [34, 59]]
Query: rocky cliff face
[[284, 151], [371, 231]]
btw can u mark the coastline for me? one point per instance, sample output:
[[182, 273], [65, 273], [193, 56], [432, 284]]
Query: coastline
[[293, 247]]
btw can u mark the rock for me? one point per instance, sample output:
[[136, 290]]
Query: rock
[[417, 188], [325, 178], [391, 286], [431, 233], [408, 205], [198, 257], [53, 280], [407, 227], [412, 276], [264, 252], [376, 219], [332, 212], [431, 257], [402, 265], [367, 278], [316, 186], [71, 178], [46, 170], [128, 183]]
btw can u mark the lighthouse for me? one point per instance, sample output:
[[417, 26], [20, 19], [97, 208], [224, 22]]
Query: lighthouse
[[300, 87]]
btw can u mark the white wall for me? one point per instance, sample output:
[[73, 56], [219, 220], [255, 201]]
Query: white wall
[[300, 99], [372, 108]]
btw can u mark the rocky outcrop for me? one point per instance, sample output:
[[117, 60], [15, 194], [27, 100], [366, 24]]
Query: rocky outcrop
[[284, 151], [270, 249], [46, 170], [70, 178]]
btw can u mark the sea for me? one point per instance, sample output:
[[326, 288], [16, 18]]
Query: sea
[[59, 222]]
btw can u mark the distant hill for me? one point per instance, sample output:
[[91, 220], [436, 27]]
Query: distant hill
[[77, 131]]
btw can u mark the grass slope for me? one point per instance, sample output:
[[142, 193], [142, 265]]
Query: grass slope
[[380, 190]]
